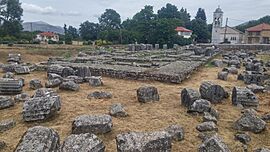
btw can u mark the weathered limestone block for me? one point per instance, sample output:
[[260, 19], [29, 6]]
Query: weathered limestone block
[[21, 97], [250, 121], [69, 86], [147, 94], [7, 124], [243, 138], [83, 71], [53, 83], [156, 46], [22, 70], [256, 88], [52, 76], [231, 70], [14, 58], [223, 75], [176, 132], [83, 143], [189, 96], [235, 63], [97, 124], [60, 70], [207, 126], [44, 92], [35, 84], [9, 67], [200, 106], [41, 108], [95, 81], [144, 142], [131, 47], [165, 46], [245, 97], [212, 92], [76, 79], [39, 139], [9, 75], [213, 144], [251, 77], [99, 95], [217, 63], [117, 110], [6, 102], [208, 117], [10, 86]]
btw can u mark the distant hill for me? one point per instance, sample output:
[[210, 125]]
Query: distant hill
[[242, 27], [42, 26]]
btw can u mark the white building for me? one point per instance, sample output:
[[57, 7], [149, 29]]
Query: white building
[[181, 31], [46, 36], [221, 34]]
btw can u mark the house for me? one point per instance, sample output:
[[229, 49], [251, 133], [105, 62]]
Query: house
[[221, 34], [181, 31], [46, 36], [259, 34]]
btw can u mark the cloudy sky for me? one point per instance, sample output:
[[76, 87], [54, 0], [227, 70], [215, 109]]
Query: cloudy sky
[[73, 12]]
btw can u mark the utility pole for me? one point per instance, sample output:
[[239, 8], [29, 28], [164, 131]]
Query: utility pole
[[225, 29]]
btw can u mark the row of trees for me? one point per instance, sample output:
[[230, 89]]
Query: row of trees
[[144, 27], [10, 19]]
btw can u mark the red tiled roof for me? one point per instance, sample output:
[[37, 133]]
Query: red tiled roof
[[259, 28], [182, 29], [49, 34]]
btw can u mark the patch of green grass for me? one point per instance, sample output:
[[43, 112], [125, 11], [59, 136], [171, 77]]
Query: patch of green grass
[[209, 65], [67, 55]]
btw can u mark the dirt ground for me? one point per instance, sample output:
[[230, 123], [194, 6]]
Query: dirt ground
[[142, 117]]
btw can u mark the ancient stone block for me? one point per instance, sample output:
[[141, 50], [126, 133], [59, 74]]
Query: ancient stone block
[[176, 132], [147, 94], [212, 92], [189, 96], [39, 139], [200, 106], [35, 84], [99, 95], [208, 117], [9, 75], [83, 143], [250, 121], [21, 97], [213, 144], [256, 88], [95, 81], [7, 124], [53, 83], [69, 86], [245, 97], [223, 75], [207, 126], [144, 142], [243, 138], [97, 124], [6, 102], [22, 70], [76, 79], [118, 110], [10, 86], [44, 92], [41, 108]]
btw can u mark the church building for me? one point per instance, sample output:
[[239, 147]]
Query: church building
[[226, 34]]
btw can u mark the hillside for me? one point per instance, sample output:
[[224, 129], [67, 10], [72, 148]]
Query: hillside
[[42, 26], [242, 27]]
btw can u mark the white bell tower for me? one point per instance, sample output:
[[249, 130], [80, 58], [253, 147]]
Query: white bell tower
[[217, 26]]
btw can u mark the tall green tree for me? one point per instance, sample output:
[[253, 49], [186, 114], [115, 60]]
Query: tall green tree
[[10, 17], [110, 19], [89, 31], [200, 30], [170, 11], [201, 14], [146, 14], [73, 32]]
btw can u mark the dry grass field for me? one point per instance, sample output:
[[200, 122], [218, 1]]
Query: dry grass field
[[142, 117]]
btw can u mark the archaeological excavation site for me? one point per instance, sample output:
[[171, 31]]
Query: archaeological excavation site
[[134, 98]]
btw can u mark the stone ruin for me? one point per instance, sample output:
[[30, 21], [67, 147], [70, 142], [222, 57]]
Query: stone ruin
[[39, 139], [44, 105], [10, 86], [167, 65]]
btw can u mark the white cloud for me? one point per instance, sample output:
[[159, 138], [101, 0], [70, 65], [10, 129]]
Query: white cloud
[[48, 10]]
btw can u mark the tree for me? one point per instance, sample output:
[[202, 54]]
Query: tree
[[89, 31], [184, 15], [110, 19], [170, 11], [200, 30], [146, 14], [10, 17], [201, 14], [73, 32]]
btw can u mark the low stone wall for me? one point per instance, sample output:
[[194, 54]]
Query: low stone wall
[[229, 47]]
